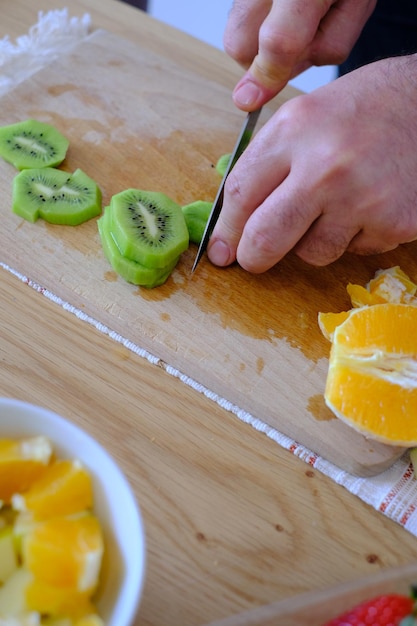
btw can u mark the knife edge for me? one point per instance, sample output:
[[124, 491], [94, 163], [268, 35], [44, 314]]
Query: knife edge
[[242, 142]]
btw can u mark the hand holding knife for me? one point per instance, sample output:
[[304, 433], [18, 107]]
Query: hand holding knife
[[242, 142]]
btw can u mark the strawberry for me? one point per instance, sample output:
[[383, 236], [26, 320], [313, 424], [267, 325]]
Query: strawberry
[[385, 610]]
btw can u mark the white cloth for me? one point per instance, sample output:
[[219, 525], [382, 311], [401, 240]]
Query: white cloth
[[54, 33], [393, 492]]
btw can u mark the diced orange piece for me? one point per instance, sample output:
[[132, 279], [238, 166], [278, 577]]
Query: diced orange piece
[[65, 552], [63, 489], [57, 601], [22, 462], [372, 377]]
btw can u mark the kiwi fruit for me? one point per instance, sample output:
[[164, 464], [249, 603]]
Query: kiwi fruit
[[196, 215], [148, 227], [222, 163], [57, 196], [131, 271], [32, 144]]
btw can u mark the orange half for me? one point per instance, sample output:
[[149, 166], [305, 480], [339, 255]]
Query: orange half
[[372, 377]]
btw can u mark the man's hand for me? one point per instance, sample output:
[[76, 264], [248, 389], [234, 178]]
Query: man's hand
[[278, 39], [332, 170]]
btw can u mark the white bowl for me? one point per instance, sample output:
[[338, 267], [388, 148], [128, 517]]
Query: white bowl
[[115, 505]]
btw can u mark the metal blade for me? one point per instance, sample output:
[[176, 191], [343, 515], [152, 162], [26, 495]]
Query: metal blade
[[241, 143]]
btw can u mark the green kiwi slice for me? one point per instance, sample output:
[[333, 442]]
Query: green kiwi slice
[[222, 163], [131, 271], [32, 144], [148, 227], [56, 196], [196, 215]]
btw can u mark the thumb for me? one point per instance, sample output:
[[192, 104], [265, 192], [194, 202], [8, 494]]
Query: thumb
[[260, 84]]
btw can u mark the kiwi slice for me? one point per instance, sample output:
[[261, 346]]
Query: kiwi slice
[[56, 196], [32, 144], [148, 227], [131, 271], [196, 215], [222, 163]]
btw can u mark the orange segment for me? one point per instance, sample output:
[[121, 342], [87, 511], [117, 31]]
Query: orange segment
[[389, 285], [21, 463], [65, 552], [393, 285], [64, 488], [372, 377], [329, 321], [360, 296]]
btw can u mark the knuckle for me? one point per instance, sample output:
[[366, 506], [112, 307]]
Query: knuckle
[[322, 249], [278, 44], [233, 188], [236, 49], [331, 53]]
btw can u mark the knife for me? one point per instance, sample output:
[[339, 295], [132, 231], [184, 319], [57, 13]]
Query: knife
[[242, 142]]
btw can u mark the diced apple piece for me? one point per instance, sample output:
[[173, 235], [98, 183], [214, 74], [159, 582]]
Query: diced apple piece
[[8, 557], [13, 592]]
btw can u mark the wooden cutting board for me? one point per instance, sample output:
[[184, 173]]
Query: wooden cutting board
[[135, 119]]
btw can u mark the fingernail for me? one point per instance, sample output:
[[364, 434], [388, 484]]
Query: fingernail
[[219, 253], [246, 94]]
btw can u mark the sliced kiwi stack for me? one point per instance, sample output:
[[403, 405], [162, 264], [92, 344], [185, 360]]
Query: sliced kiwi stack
[[143, 234], [131, 271], [56, 196], [196, 215], [32, 144]]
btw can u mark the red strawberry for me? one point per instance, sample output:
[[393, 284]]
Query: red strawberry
[[386, 610]]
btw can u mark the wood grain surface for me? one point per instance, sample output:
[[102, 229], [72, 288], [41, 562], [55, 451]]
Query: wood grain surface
[[233, 521], [137, 119]]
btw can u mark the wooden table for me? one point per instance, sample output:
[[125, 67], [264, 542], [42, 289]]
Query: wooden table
[[233, 521]]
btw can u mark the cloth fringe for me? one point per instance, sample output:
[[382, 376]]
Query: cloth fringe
[[53, 34]]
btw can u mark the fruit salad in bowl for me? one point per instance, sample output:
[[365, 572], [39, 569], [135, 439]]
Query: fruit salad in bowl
[[72, 541]]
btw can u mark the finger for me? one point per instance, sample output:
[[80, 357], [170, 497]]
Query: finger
[[276, 227], [339, 30], [241, 33], [326, 240], [284, 38], [247, 186], [367, 245]]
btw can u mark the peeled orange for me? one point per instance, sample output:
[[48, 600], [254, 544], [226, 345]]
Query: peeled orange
[[372, 376], [65, 552], [64, 488], [22, 462]]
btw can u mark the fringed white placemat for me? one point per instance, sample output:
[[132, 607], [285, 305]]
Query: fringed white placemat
[[393, 492]]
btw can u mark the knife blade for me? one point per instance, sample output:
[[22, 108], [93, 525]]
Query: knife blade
[[242, 142]]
